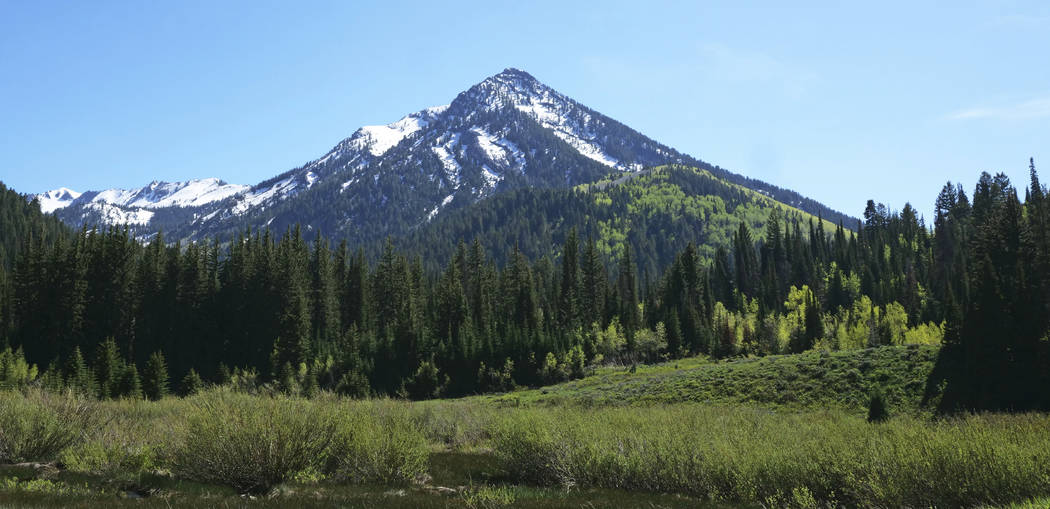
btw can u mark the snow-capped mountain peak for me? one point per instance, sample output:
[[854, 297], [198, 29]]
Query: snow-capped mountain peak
[[570, 121], [135, 206], [159, 194], [56, 199], [507, 131]]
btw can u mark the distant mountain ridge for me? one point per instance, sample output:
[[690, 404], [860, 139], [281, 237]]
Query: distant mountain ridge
[[509, 131]]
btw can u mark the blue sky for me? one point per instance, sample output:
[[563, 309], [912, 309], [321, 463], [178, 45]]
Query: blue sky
[[840, 102]]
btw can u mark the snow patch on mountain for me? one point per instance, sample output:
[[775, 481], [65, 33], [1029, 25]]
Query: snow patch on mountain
[[569, 121], [193, 193], [258, 197], [156, 195], [487, 144], [113, 214], [446, 153], [491, 177], [56, 199], [378, 139], [433, 212]]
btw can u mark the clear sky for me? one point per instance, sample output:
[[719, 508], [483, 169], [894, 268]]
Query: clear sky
[[840, 102]]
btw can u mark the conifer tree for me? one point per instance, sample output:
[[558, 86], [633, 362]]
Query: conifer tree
[[191, 383], [569, 299], [627, 291], [746, 262], [108, 368], [130, 385], [593, 285], [155, 377], [77, 374]]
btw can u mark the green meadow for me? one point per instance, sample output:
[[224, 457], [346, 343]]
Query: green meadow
[[785, 431]]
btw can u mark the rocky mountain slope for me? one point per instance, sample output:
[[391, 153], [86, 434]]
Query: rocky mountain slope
[[509, 131]]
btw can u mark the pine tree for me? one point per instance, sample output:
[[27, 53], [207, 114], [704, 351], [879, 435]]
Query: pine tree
[[77, 374], [627, 291], [593, 285], [746, 263], [326, 315], [191, 384], [130, 385], [108, 368], [155, 377]]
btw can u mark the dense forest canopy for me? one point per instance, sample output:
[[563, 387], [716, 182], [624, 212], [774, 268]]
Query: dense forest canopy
[[502, 310]]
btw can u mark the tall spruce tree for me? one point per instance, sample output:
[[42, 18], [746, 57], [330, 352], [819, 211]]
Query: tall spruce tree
[[155, 377]]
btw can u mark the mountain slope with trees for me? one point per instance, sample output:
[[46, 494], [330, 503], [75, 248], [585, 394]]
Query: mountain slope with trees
[[302, 315], [657, 211]]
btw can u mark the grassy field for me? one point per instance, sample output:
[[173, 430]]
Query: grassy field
[[685, 434], [814, 380]]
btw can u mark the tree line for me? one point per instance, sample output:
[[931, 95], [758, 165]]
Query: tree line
[[305, 315]]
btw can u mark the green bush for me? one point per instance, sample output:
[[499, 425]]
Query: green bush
[[748, 455], [129, 443], [37, 426], [250, 443], [377, 443], [456, 426], [877, 411]]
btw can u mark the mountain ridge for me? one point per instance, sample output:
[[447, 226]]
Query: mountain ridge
[[508, 131]]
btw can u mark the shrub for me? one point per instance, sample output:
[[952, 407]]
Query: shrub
[[114, 455], [486, 497], [877, 411], [250, 444], [37, 426], [378, 444], [808, 459], [456, 426]]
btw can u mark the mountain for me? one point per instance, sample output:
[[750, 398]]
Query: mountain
[[508, 132], [56, 199], [658, 211]]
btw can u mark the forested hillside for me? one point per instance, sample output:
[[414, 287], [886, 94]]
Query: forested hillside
[[657, 211], [20, 221], [306, 315]]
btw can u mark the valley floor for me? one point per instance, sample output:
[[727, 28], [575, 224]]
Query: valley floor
[[785, 431]]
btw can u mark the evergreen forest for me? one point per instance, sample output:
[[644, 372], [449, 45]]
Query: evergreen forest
[[626, 273]]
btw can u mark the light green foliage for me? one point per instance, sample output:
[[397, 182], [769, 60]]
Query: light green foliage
[[487, 497], [746, 455], [865, 324], [115, 453], [695, 455], [925, 334], [650, 345], [131, 441], [611, 341], [377, 443], [658, 193], [37, 426], [252, 444], [42, 486], [813, 380], [893, 324], [15, 372]]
